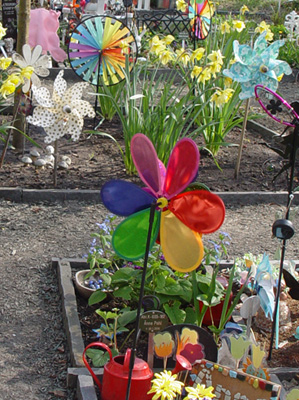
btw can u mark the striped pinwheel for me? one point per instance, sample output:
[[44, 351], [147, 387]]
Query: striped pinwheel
[[180, 218], [200, 14], [98, 48]]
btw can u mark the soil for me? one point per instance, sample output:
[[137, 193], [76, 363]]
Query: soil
[[34, 355]]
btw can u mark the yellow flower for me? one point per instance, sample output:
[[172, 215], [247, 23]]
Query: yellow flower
[[257, 356], [164, 344], [228, 81], [15, 79], [157, 46], [204, 76], [168, 39], [7, 88], [2, 31], [238, 25], [216, 56], [197, 54], [263, 26], [166, 56], [225, 27], [279, 78], [181, 5], [5, 62], [243, 9], [124, 45], [269, 36], [199, 392], [222, 96], [27, 72], [165, 386], [183, 56], [196, 71], [214, 68]]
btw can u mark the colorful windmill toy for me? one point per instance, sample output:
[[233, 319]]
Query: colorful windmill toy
[[180, 217]]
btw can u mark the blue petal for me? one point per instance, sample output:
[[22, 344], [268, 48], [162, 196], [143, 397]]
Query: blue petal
[[124, 198]]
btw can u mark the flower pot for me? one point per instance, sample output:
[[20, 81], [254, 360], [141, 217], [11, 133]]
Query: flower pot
[[83, 290]]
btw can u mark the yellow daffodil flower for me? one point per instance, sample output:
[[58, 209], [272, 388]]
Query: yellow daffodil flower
[[196, 71], [183, 56], [204, 76], [269, 36], [168, 39], [199, 392], [5, 62], [244, 9], [124, 45], [14, 79], [157, 46], [2, 31], [238, 25], [7, 88], [181, 5], [214, 68], [166, 56], [225, 27], [197, 54], [221, 97], [165, 386], [27, 72], [263, 26], [228, 82], [216, 56]]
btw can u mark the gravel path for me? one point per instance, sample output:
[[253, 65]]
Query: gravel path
[[34, 357]]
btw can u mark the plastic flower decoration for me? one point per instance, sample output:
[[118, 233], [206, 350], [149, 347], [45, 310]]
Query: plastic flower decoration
[[257, 66], [63, 113], [32, 62], [165, 386], [180, 218], [200, 392]]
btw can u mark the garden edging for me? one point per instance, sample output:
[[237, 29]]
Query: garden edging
[[77, 375]]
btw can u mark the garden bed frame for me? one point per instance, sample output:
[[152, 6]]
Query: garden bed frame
[[77, 375]]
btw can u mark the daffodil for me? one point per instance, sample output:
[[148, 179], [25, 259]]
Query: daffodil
[[221, 97], [225, 27], [214, 68], [204, 76], [244, 9], [216, 56], [157, 46], [64, 112], [181, 5], [257, 65], [238, 25], [2, 31], [165, 386], [264, 27], [168, 39], [196, 71], [124, 45], [200, 392], [183, 56], [166, 56], [27, 72], [228, 82], [5, 62], [7, 88], [35, 60], [197, 54]]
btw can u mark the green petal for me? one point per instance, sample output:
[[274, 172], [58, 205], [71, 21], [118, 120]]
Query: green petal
[[129, 238]]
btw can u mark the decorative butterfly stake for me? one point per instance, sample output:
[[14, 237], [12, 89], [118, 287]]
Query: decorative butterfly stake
[[162, 209], [281, 111], [255, 66]]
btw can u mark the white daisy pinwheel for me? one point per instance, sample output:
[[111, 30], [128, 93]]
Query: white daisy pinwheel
[[34, 59], [63, 113]]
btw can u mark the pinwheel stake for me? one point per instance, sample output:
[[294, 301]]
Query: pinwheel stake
[[283, 228], [200, 14]]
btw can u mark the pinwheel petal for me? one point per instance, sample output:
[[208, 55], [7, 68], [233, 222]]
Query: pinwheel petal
[[146, 162], [125, 198], [130, 237], [200, 210], [182, 167], [182, 247]]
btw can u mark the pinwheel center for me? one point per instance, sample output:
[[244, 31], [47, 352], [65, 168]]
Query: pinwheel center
[[162, 203], [264, 68], [67, 109]]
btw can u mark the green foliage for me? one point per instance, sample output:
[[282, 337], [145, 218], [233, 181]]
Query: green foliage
[[105, 94]]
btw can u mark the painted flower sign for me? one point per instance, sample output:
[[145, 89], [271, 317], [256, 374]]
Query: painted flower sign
[[180, 217], [257, 66]]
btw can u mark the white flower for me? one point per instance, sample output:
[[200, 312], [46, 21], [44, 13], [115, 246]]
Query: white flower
[[63, 113], [35, 60]]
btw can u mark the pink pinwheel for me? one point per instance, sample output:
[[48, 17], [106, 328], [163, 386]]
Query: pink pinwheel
[[180, 217]]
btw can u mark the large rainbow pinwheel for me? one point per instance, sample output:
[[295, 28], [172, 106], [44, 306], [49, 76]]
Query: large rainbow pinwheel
[[180, 217], [200, 14], [98, 47]]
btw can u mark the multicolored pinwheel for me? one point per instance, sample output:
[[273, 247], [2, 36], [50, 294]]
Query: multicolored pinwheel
[[180, 217], [98, 47], [200, 14]]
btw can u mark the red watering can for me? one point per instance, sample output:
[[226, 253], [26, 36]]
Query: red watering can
[[115, 378]]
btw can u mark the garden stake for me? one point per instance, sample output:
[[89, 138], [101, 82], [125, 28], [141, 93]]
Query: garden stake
[[55, 162], [148, 241], [237, 168]]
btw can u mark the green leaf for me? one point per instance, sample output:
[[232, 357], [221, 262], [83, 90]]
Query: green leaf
[[98, 357], [124, 292], [106, 314], [175, 314], [97, 297], [190, 316], [127, 317], [106, 278]]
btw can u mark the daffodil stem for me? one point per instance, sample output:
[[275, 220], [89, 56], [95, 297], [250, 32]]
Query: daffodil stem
[[237, 168], [195, 294]]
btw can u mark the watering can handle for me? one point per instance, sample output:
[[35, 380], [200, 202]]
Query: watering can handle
[[127, 360], [97, 344]]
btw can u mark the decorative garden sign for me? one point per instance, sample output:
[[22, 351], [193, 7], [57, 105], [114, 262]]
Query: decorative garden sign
[[231, 384]]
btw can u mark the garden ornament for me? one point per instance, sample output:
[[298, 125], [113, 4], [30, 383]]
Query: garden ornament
[[32, 58], [200, 14], [297, 333], [163, 208], [281, 111], [292, 284], [43, 28], [264, 283], [115, 377], [253, 66]]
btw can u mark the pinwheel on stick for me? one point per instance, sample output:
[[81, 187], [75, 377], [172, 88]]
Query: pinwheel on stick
[[162, 211], [200, 14]]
